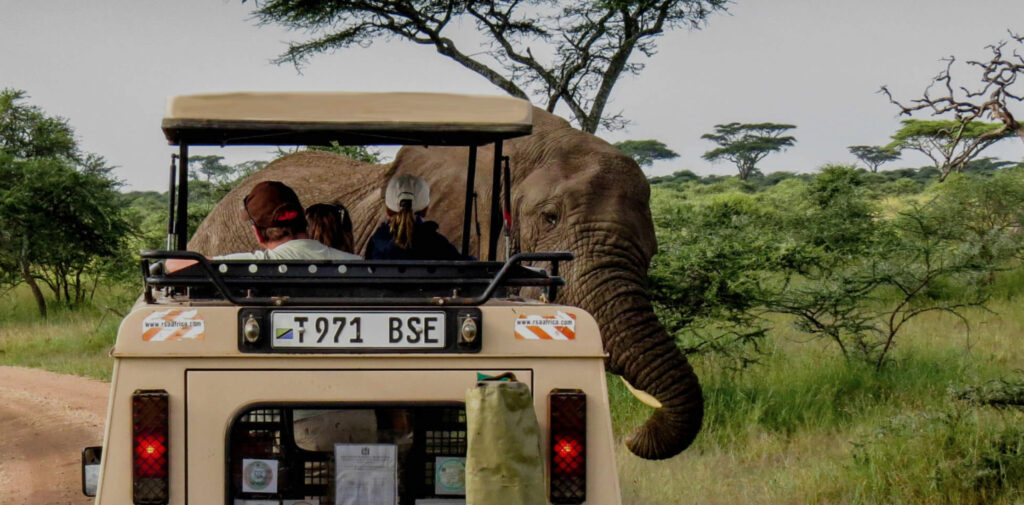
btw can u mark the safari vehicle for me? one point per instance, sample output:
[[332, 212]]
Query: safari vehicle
[[263, 382]]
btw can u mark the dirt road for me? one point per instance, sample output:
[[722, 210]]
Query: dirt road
[[45, 421]]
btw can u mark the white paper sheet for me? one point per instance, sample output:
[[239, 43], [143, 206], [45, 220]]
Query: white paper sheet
[[366, 474]]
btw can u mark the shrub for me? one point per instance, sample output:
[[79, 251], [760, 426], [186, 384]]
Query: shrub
[[956, 455], [821, 252]]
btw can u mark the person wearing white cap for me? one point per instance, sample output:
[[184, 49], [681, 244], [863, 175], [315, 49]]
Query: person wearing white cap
[[405, 235]]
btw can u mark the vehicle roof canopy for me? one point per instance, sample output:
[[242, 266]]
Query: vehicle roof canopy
[[318, 118]]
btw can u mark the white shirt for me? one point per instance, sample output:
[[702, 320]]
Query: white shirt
[[295, 249]]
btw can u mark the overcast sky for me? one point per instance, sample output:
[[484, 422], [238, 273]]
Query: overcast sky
[[108, 65]]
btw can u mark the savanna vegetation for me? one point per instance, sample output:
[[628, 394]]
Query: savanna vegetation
[[857, 331], [857, 335]]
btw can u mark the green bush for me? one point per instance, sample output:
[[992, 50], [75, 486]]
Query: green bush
[[820, 250], [953, 455]]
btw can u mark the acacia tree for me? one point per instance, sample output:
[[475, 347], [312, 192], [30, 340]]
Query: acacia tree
[[747, 144], [951, 145], [212, 168], [874, 156], [646, 152], [997, 88], [60, 213], [70, 223], [571, 53], [26, 133]]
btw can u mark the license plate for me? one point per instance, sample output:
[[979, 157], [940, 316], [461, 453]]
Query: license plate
[[357, 330]]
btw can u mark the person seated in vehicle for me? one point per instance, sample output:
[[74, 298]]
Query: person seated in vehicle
[[405, 235], [331, 225], [279, 223]]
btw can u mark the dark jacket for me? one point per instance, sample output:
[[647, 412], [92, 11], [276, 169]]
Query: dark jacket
[[427, 244]]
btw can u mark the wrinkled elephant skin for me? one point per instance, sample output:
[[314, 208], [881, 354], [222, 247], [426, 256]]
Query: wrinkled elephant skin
[[572, 192]]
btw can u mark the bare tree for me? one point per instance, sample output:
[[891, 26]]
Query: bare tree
[[998, 87], [571, 53]]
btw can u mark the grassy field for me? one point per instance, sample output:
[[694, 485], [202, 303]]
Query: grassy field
[[807, 427], [68, 341], [802, 427]]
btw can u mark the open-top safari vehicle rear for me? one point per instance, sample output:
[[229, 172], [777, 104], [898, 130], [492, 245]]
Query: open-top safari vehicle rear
[[320, 382]]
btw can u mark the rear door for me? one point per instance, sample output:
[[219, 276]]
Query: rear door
[[272, 435]]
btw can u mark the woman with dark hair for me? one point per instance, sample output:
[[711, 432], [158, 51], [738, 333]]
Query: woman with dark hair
[[405, 235], [277, 220], [331, 225]]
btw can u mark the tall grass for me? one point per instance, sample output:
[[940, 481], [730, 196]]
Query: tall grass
[[957, 454], [68, 341], [805, 426]]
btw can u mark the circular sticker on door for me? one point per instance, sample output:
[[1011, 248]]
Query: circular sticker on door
[[259, 475], [450, 476]]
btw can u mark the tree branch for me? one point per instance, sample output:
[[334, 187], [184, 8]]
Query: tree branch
[[997, 80]]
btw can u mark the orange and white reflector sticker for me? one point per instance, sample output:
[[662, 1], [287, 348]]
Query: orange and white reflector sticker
[[561, 326], [173, 324]]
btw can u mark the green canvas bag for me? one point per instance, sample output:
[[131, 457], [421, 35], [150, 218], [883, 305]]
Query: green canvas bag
[[504, 464]]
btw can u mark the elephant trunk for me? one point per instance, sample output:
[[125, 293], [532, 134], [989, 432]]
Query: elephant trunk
[[641, 351]]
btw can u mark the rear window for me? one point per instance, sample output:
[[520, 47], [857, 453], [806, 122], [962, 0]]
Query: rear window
[[327, 454]]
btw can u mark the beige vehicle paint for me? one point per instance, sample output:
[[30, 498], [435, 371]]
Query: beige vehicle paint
[[209, 382]]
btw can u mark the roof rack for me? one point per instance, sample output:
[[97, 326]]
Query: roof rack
[[355, 282], [276, 118]]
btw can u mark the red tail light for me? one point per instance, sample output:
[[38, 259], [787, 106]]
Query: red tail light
[[149, 447], [151, 455], [568, 446]]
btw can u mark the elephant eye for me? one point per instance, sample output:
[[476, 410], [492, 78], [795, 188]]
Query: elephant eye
[[550, 218]]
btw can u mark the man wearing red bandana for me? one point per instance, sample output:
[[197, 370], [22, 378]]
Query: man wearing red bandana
[[279, 223]]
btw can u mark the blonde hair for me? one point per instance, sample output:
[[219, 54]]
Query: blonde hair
[[401, 225]]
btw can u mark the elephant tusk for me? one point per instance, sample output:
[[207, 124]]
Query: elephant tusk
[[644, 398]]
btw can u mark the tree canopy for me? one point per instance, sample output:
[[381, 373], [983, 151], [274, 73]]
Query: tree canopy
[[747, 144], [570, 53], [646, 152], [61, 222], [950, 144], [212, 168], [874, 156], [27, 132]]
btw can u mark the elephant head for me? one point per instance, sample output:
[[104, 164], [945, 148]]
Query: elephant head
[[572, 191]]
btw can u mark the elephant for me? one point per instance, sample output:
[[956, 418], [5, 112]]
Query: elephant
[[571, 191]]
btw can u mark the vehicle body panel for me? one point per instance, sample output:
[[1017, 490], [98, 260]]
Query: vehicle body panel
[[210, 382]]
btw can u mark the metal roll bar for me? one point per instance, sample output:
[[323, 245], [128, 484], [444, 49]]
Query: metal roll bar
[[504, 277]]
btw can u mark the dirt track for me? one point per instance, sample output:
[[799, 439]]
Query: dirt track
[[45, 421]]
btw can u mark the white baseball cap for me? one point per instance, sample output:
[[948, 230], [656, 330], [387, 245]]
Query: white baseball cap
[[407, 187]]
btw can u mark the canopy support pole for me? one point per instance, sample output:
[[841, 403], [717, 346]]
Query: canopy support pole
[[492, 236], [470, 188], [181, 224], [170, 201]]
